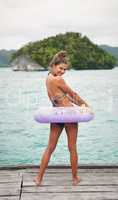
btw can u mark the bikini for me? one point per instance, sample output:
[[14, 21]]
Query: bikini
[[56, 98]]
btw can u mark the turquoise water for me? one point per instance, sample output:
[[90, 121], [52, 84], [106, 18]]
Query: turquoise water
[[23, 141]]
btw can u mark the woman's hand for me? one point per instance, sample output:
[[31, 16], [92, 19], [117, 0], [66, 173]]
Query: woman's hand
[[84, 108]]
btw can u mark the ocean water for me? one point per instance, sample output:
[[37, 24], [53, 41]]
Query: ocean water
[[23, 141]]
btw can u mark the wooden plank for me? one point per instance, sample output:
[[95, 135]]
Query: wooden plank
[[10, 191], [10, 185], [70, 196], [9, 198], [70, 189], [9, 176], [58, 170], [101, 173], [82, 171]]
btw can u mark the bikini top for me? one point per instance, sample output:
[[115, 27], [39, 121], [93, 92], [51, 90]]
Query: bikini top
[[56, 98]]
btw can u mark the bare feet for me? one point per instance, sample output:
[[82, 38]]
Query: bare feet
[[76, 180], [37, 181]]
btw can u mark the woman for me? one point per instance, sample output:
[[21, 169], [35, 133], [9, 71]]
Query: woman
[[61, 94]]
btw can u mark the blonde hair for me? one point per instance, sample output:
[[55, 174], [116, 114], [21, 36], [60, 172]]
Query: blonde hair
[[58, 58]]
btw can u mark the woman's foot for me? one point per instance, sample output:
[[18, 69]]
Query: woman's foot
[[76, 180], [37, 181]]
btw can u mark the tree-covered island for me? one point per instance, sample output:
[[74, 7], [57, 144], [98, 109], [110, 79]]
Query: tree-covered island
[[83, 53]]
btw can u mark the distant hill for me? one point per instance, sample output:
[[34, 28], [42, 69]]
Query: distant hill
[[5, 57], [83, 53], [112, 50]]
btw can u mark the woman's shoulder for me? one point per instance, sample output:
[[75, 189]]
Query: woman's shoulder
[[54, 78], [58, 80]]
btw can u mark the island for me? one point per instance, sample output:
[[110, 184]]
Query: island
[[83, 53]]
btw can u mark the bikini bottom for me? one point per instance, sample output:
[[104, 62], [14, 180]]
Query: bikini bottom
[[61, 124]]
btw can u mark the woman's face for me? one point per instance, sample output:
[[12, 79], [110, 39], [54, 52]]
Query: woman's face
[[59, 69]]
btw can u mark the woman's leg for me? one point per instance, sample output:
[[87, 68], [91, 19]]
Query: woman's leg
[[55, 131], [72, 130]]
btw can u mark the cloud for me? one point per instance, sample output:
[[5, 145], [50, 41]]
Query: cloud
[[29, 20]]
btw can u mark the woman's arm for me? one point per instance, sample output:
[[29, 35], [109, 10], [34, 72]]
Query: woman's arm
[[75, 98]]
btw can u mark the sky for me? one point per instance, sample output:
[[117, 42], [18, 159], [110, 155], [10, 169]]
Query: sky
[[23, 21]]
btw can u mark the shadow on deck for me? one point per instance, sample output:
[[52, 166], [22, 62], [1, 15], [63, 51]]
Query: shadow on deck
[[98, 182]]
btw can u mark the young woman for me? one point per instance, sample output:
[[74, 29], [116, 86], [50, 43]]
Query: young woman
[[61, 94]]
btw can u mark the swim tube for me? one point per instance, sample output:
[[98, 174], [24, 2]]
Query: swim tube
[[63, 114]]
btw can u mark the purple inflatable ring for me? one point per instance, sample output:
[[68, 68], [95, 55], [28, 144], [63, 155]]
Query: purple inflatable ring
[[62, 114]]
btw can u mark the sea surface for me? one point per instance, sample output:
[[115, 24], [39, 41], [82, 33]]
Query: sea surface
[[23, 141]]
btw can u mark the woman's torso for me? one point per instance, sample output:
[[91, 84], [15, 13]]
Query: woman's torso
[[56, 95]]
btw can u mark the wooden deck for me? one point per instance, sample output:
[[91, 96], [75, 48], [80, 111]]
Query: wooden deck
[[97, 182]]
